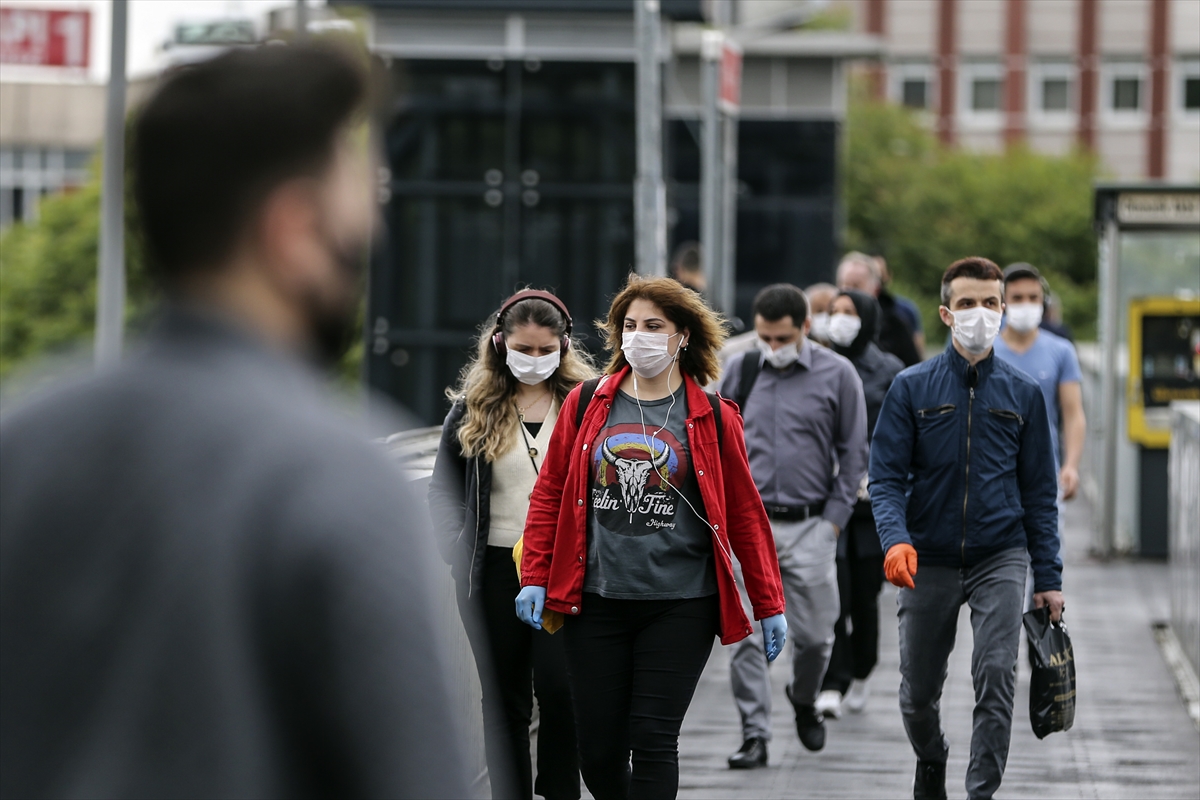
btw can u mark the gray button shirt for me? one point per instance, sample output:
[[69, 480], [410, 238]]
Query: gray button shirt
[[806, 430]]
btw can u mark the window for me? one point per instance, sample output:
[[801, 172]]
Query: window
[[1124, 90], [1052, 93], [912, 85], [985, 94], [1188, 84], [982, 93], [914, 92], [1056, 94], [1126, 94]]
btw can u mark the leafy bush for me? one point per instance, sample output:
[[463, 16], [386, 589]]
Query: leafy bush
[[923, 206]]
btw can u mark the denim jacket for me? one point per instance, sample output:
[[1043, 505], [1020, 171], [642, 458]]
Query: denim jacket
[[962, 466]]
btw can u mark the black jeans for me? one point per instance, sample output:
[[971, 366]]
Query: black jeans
[[515, 661], [860, 577], [634, 665]]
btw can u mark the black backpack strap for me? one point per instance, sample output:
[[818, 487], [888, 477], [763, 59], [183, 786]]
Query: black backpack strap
[[714, 400], [586, 390], [751, 366]]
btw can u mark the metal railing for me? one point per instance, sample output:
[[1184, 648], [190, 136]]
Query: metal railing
[[1184, 521]]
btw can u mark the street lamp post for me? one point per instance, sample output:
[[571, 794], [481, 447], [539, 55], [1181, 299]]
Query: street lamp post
[[650, 204], [110, 289]]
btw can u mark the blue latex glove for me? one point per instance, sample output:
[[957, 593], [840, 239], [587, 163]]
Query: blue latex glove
[[529, 605], [774, 635]]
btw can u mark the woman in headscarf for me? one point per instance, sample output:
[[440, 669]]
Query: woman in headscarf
[[854, 324]]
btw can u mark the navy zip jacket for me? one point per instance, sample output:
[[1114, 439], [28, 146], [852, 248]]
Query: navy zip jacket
[[962, 466]]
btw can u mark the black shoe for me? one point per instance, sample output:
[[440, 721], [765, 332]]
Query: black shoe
[[810, 726], [752, 755], [930, 782]]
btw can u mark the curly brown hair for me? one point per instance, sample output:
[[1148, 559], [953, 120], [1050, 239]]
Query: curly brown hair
[[681, 306]]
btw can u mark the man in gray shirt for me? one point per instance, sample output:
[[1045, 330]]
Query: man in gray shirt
[[209, 585], [806, 435]]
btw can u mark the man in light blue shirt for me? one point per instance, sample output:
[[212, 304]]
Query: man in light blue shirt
[[1048, 359]]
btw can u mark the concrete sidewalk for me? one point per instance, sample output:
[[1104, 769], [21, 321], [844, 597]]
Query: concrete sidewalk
[[1132, 736]]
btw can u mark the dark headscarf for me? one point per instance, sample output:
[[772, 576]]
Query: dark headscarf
[[869, 312]]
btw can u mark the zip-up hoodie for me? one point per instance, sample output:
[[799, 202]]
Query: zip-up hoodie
[[962, 466]]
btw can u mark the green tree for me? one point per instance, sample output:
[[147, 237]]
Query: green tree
[[48, 276], [923, 206], [48, 280]]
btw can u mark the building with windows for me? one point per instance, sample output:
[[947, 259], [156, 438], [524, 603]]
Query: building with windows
[[48, 134], [1120, 77]]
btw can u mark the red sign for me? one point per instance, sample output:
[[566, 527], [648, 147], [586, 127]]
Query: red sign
[[730, 93], [42, 37]]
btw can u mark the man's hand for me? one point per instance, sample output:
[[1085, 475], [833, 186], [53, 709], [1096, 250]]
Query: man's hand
[[1068, 482], [900, 565], [837, 531], [1054, 599]]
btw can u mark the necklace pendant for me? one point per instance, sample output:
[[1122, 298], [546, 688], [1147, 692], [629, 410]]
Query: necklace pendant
[[533, 452]]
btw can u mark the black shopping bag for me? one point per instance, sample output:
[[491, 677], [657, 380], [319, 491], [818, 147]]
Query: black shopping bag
[[1052, 688]]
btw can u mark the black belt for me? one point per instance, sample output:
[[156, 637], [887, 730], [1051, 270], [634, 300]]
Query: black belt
[[795, 513]]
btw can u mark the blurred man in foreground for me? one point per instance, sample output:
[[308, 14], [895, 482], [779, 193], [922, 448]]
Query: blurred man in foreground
[[209, 586]]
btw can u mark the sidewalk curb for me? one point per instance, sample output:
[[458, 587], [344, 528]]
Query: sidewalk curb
[[1185, 675]]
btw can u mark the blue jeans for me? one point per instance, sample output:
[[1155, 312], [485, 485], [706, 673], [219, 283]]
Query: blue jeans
[[995, 591]]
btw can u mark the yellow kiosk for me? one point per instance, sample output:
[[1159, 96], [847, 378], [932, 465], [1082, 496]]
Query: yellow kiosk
[[1148, 356]]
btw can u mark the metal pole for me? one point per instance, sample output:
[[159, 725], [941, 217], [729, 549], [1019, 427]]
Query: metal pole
[[1110, 390], [650, 203], [301, 20], [110, 294], [711, 227], [727, 293]]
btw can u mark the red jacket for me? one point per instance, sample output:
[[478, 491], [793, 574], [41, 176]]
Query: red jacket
[[556, 526]]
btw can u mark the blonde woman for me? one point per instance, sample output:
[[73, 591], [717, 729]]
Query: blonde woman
[[493, 442]]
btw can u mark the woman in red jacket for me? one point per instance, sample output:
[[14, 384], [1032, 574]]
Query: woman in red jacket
[[641, 505]]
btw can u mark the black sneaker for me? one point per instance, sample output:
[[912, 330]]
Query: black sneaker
[[810, 726], [930, 781], [752, 755]]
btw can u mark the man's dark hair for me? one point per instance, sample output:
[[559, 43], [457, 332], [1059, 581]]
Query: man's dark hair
[[215, 139], [686, 259], [781, 300], [976, 267], [1023, 271]]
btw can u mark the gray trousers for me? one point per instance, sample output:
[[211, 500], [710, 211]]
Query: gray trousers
[[807, 564], [995, 592]]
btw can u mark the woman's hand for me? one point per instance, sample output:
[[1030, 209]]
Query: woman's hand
[[529, 605], [774, 635]]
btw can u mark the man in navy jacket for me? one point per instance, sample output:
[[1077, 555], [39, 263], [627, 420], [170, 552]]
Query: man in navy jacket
[[962, 481]]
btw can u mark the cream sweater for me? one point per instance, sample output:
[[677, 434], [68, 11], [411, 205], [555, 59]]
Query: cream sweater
[[512, 484]]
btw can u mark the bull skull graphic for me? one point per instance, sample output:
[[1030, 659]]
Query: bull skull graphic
[[634, 473]]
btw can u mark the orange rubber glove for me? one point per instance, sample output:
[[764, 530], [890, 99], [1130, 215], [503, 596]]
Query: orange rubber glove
[[900, 564]]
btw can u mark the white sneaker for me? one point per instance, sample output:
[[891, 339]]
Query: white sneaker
[[829, 703], [856, 697]]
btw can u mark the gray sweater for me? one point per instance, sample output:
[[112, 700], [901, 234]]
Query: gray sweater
[[211, 587]]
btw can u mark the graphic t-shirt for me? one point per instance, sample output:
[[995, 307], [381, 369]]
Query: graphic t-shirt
[[644, 541], [1050, 361]]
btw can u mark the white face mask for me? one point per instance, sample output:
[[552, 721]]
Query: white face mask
[[647, 353], [781, 358], [532, 370], [1024, 317], [820, 327], [976, 328], [844, 328]]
